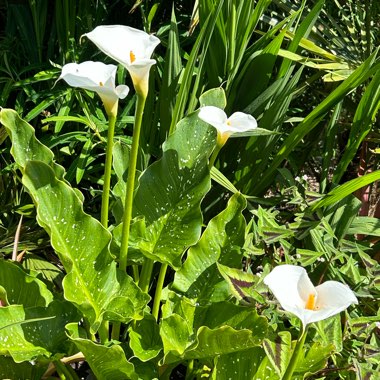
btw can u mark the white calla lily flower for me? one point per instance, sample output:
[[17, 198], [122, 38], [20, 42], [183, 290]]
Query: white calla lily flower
[[97, 77], [131, 47], [237, 122], [293, 289]]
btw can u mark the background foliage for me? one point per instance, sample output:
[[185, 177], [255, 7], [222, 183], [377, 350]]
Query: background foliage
[[305, 195]]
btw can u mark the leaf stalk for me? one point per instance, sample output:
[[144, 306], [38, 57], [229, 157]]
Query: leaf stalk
[[159, 286], [296, 355], [107, 172], [127, 216]]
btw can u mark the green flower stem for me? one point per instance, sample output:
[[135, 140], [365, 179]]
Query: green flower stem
[[115, 334], [296, 355], [232, 33], [104, 332], [104, 327], [136, 274], [214, 155], [146, 274], [107, 171], [190, 370], [157, 295], [127, 216], [86, 325]]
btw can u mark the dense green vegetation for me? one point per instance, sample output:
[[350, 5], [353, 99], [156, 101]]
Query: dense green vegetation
[[208, 221]]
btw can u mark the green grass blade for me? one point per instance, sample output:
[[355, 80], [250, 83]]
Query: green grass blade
[[302, 32], [203, 38], [364, 116], [244, 36], [360, 75], [170, 77], [328, 151], [201, 66], [348, 188]]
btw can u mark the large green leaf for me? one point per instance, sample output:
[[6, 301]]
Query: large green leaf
[[107, 363], [26, 333], [212, 342], [190, 331], [32, 324], [147, 370], [145, 339], [170, 192], [219, 243], [238, 365], [25, 146], [226, 313], [22, 288], [92, 282], [175, 333], [12, 336]]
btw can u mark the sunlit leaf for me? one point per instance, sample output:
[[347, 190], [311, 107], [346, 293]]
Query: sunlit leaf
[[191, 331], [220, 243], [22, 288], [171, 189], [239, 365], [26, 333], [346, 189], [93, 283], [107, 362], [144, 338]]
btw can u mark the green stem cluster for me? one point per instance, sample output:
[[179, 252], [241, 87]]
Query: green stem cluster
[[65, 372], [146, 274]]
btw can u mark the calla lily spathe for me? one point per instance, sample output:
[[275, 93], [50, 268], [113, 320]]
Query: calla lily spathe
[[237, 122], [131, 47], [293, 289], [98, 77]]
